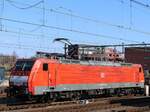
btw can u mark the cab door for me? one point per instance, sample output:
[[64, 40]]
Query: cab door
[[139, 70], [46, 73]]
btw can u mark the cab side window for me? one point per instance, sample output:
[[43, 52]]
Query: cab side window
[[45, 66], [140, 69]]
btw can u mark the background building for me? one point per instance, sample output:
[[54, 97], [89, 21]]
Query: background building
[[139, 55], [2, 72]]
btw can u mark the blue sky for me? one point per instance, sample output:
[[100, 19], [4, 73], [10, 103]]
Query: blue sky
[[28, 39]]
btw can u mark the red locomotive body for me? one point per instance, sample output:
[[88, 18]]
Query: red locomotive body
[[49, 76]]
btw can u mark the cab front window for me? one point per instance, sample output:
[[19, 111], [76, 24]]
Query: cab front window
[[24, 65]]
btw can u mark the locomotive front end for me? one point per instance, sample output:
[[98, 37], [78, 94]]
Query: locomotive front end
[[18, 82]]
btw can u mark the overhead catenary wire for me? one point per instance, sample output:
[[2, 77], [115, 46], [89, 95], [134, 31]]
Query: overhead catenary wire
[[70, 30], [32, 35], [12, 3], [91, 19], [146, 6], [43, 12], [83, 42], [27, 7], [39, 47], [35, 35], [135, 6], [39, 25], [131, 14], [109, 36], [71, 12], [21, 46], [38, 36], [29, 47], [1, 13], [140, 3], [104, 23]]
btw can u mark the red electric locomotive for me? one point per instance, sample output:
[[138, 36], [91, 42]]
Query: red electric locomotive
[[75, 75], [70, 78]]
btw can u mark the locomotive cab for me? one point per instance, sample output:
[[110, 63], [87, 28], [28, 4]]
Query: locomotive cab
[[18, 82]]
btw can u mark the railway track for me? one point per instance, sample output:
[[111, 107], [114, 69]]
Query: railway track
[[60, 108], [91, 107], [20, 105], [112, 104]]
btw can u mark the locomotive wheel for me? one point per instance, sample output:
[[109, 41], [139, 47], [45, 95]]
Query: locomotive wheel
[[10, 93], [78, 96], [43, 99], [75, 97]]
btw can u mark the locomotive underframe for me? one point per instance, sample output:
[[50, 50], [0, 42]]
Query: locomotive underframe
[[50, 93], [70, 87], [15, 91]]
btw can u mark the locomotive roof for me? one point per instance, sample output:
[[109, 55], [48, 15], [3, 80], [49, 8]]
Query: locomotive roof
[[102, 63], [70, 61]]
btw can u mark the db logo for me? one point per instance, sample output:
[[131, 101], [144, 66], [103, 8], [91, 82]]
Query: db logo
[[102, 75]]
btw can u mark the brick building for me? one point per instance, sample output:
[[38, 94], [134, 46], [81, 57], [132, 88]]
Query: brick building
[[139, 55]]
